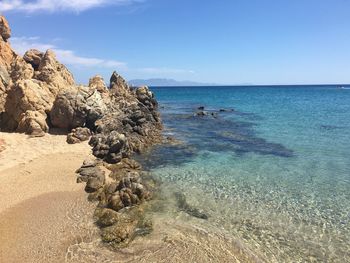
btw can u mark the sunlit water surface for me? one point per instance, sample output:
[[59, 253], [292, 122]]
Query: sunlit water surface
[[274, 173]]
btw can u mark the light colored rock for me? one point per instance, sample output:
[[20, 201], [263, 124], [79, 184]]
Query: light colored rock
[[5, 81], [53, 73], [98, 83], [21, 70], [6, 53], [33, 123], [5, 30], [33, 57], [28, 95]]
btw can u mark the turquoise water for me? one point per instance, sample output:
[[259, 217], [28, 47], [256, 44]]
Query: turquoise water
[[274, 173]]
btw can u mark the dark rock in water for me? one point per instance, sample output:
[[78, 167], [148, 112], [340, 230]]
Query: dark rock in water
[[214, 114], [201, 113], [95, 183], [331, 127], [184, 206], [78, 135], [106, 217], [200, 108], [226, 110]]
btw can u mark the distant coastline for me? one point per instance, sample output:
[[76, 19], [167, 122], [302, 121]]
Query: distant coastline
[[159, 82]]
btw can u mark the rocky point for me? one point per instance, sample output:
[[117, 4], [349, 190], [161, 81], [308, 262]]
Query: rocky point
[[38, 93]]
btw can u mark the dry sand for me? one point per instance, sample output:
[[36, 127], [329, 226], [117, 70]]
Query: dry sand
[[41, 204]]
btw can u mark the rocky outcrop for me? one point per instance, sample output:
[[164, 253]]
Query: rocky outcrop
[[38, 93], [5, 30], [33, 57], [6, 53], [28, 86], [98, 83], [121, 199], [77, 107]]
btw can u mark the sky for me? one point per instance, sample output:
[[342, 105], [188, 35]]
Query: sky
[[225, 41]]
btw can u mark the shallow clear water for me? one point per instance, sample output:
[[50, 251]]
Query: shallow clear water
[[274, 173]]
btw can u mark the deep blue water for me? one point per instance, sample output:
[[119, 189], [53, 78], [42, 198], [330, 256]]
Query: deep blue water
[[275, 172]]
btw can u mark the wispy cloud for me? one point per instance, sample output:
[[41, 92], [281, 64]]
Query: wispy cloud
[[59, 5], [69, 57]]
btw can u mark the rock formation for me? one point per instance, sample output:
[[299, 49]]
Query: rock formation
[[38, 93], [28, 87]]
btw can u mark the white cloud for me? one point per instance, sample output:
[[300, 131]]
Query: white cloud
[[165, 71], [22, 44], [58, 5]]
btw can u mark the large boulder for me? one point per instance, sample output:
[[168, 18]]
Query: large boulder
[[33, 57], [5, 30], [20, 69], [53, 73], [6, 53], [77, 107], [28, 99]]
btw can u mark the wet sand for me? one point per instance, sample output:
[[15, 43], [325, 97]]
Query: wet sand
[[45, 215]]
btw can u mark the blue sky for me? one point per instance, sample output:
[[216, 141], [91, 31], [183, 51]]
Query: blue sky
[[225, 42]]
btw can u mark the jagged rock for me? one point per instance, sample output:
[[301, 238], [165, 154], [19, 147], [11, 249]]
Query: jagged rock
[[77, 107], [78, 135], [7, 55], [118, 85], [28, 86], [98, 83], [5, 30], [33, 57], [55, 74], [27, 95], [21, 70], [112, 147]]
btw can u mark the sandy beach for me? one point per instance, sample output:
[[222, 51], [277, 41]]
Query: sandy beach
[[40, 198], [45, 215]]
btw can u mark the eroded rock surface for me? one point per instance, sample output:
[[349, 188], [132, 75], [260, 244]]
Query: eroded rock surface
[[38, 93], [28, 86]]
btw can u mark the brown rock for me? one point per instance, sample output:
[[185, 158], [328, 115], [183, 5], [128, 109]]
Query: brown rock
[[53, 73], [77, 107], [78, 135], [33, 57], [98, 83], [33, 123], [20, 69], [27, 95], [5, 30]]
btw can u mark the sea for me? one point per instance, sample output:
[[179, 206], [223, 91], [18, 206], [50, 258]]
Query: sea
[[268, 165]]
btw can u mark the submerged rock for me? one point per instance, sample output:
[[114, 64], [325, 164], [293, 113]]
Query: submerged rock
[[184, 206]]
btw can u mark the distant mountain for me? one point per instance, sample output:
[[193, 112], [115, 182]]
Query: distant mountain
[[166, 82]]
